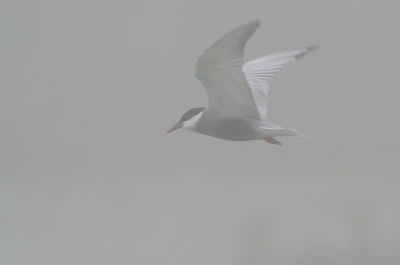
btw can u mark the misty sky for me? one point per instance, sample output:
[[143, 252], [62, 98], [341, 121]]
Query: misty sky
[[88, 175]]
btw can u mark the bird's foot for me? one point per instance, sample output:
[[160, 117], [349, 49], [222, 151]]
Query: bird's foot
[[271, 140]]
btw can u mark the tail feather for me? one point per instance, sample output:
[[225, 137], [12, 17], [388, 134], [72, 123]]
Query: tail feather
[[281, 132], [294, 132]]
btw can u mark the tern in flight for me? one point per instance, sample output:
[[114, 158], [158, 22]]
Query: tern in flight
[[237, 92]]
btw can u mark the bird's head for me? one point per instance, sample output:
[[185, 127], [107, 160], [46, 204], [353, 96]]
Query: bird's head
[[189, 120]]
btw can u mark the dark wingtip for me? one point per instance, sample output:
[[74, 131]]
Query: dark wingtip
[[311, 48], [254, 24]]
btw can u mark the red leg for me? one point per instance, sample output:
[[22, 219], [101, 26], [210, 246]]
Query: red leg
[[271, 140]]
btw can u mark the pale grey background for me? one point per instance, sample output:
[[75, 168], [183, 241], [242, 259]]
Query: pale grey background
[[88, 176]]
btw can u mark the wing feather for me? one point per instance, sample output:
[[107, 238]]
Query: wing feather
[[261, 71], [220, 71]]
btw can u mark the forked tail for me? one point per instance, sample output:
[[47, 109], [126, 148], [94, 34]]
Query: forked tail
[[269, 132]]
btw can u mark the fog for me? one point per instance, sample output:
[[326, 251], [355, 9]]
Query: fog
[[88, 175]]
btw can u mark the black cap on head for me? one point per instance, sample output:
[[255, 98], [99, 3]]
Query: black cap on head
[[190, 113]]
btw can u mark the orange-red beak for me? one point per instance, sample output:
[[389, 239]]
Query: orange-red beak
[[175, 127]]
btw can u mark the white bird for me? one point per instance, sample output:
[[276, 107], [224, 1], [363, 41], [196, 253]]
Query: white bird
[[237, 92]]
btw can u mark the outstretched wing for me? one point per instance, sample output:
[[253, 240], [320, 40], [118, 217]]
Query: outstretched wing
[[261, 71], [220, 71]]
